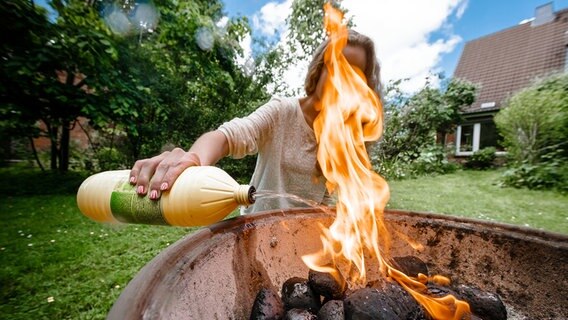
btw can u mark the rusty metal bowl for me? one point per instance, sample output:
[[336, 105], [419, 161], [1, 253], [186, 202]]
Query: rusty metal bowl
[[216, 272]]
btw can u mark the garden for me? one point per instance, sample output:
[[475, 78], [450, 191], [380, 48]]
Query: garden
[[141, 92]]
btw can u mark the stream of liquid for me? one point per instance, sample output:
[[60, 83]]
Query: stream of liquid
[[267, 194]]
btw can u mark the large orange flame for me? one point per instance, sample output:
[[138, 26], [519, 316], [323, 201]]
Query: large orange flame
[[350, 114]]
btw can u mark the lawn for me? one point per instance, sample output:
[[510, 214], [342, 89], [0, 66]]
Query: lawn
[[476, 194], [57, 264]]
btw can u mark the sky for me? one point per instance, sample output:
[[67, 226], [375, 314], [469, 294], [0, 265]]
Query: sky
[[413, 37]]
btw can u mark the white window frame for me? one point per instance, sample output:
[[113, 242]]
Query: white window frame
[[475, 146], [476, 138]]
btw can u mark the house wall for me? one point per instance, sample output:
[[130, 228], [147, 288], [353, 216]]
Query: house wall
[[77, 136]]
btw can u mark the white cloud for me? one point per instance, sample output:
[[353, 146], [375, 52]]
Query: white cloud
[[245, 60], [272, 17], [222, 23], [461, 9], [403, 32]]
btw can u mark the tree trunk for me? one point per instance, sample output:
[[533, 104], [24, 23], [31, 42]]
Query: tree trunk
[[34, 150], [53, 133], [64, 148]]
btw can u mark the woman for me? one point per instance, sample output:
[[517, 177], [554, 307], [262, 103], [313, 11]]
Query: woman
[[281, 132]]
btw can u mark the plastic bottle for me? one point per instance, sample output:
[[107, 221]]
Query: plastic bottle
[[200, 196]]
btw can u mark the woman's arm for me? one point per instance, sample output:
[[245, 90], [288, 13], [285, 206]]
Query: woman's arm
[[158, 174]]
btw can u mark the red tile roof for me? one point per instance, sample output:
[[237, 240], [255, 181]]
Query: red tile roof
[[509, 60]]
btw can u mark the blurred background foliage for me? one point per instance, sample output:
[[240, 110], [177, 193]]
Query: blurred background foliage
[[534, 126], [142, 77], [143, 87]]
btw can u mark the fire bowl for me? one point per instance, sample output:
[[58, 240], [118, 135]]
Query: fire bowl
[[216, 272]]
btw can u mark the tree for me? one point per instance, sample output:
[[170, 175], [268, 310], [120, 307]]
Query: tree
[[23, 28], [305, 32], [58, 72], [412, 124], [306, 28], [535, 120], [142, 87], [534, 126], [186, 81], [150, 88]]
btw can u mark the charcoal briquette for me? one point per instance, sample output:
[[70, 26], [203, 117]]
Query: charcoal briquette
[[296, 293], [332, 310], [267, 305], [325, 285], [410, 265], [299, 314], [486, 305]]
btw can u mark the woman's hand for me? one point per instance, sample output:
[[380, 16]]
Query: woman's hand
[[158, 174]]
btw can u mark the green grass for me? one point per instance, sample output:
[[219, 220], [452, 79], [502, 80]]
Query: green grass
[[475, 194], [48, 250]]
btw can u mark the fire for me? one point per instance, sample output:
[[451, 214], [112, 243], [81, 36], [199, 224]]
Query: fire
[[350, 115]]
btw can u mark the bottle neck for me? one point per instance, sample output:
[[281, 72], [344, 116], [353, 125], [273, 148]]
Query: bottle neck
[[244, 195]]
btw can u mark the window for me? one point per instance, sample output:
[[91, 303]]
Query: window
[[471, 137], [489, 137], [466, 138]]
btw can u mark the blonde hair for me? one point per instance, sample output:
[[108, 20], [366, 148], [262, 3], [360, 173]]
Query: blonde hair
[[372, 71]]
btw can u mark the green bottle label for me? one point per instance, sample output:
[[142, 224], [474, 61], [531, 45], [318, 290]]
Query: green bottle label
[[127, 206]]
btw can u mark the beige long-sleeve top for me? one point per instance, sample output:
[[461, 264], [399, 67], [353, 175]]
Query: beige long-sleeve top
[[286, 147]]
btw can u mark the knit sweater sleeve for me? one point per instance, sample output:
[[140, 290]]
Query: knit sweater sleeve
[[246, 135]]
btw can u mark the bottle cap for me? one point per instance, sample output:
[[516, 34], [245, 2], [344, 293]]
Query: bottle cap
[[244, 194]]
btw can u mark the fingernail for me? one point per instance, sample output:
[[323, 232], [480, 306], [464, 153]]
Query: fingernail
[[140, 190], [132, 179], [154, 194], [164, 186]]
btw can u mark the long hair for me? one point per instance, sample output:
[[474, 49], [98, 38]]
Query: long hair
[[372, 71]]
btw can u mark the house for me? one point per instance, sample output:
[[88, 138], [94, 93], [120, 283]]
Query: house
[[501, 64]]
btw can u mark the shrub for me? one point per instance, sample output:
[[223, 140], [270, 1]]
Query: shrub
[[482, 159], [549, 174], [412, 123], [535, 119], [432, 160], [110, 159], [534, 126], [240, 169], [391, 169]]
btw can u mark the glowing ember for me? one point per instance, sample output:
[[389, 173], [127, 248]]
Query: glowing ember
[[351, 114]]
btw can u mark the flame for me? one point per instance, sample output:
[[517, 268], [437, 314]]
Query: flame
[[350, 114]]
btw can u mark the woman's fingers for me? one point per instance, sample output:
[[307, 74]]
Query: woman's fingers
[[189, 159], [154, 187], [169, 170], [142, 172], [155, 175]]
